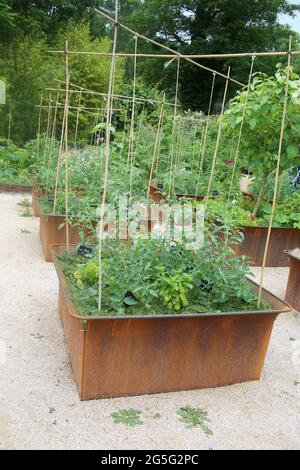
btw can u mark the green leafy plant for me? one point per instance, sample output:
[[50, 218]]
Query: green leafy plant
[[287, 213], [87, 273], [262, 126], [14, 164], [173, 289], [37, 336], [195, 417], [149, 277], [26, 213], [130, 417]]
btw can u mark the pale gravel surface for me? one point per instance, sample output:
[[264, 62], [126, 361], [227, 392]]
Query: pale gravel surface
[[39, 406]]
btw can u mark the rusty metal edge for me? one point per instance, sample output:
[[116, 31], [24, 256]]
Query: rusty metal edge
[[290, 255], [45, 214], [66, 292], [247, 227], [15, 188]]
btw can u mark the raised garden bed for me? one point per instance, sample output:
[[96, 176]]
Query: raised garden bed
[[16, 188], [292, 295], [36, 194], [126, 356], [282, 239], [51, 234]]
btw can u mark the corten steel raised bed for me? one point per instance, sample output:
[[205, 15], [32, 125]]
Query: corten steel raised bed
[[36, 194], [282, 239], [143, 355], [16, 188], [158, 197], [50, 234], [292, 295]]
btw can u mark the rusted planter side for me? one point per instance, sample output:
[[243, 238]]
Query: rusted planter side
[[36, 194], [292, 295], [16, 188], [134, 356], [282, 239], [50, 234], [158, 197]]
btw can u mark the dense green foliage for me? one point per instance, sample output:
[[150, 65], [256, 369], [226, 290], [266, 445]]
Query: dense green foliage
[[14, 164], [28, 69], [262, 125], [209, 26], [149, 277], [30, 29]]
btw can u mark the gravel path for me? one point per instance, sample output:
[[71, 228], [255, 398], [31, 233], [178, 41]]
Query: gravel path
[[39, 406]]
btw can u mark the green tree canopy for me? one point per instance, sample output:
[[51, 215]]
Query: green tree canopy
[[209, 26]]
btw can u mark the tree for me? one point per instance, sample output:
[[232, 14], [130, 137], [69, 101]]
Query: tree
[[7, 19], [28, 69], [48, 16], [210, 26]]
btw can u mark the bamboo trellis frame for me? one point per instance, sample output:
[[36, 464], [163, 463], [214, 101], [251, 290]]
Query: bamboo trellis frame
[[110, 97], [183, 56], [115, 96]]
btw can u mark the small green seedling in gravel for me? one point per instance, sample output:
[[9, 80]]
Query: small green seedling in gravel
[[24, 203], [129, 417], [195, 417], [296, 383], [26, 213], [25, 231], [37, 335]]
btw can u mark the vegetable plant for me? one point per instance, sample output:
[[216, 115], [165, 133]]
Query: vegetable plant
[[262, 126], [152, 276]]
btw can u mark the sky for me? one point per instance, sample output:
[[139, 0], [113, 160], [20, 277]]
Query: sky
[[293, 22]]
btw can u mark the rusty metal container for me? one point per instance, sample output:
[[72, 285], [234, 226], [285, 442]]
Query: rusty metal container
[[292, 295], [130, 356], [36, 194], [158, 197], [253, 246], [282, 239], [16, 188], [51, 234]]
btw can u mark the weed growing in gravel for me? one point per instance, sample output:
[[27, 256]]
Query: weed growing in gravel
[[26, 213], [25, 231], [129, 417], [24, 203], [195, 417], [37, 335]]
